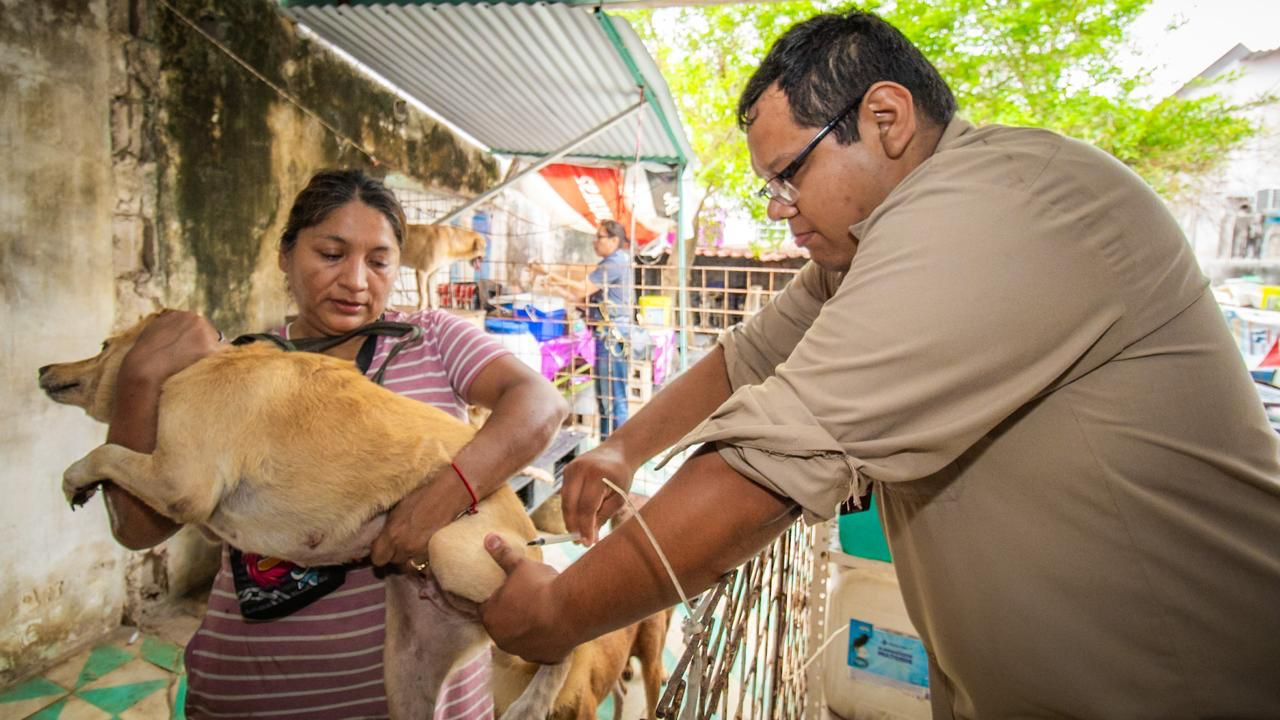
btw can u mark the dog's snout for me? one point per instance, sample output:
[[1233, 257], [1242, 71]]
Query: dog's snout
[[44, 369]]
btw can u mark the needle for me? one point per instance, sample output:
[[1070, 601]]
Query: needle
[[553, 539]]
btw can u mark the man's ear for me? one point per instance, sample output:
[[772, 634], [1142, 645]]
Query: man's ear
[[891, 112], [282, 261]]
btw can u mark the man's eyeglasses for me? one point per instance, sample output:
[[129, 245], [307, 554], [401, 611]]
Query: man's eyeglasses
[[779, 186]]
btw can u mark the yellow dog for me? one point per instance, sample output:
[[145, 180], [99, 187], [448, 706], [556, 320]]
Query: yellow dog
[[299, 456]]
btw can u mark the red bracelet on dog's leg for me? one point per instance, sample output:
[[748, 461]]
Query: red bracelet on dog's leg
[[474, 500]]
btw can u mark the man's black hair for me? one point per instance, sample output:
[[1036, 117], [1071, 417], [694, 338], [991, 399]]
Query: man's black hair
[[829, 61]]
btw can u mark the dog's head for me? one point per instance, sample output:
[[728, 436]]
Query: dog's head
[[91, 383], [470, 246]]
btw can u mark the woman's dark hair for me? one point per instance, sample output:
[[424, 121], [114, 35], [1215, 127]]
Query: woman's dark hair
[[329, 190], [613, 228], [828, 62]]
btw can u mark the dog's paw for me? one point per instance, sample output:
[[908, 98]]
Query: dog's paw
[[538, 474], [79, 484]]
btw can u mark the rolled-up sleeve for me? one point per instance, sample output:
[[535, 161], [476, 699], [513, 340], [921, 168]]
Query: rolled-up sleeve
[[755, 349], [951, 318]]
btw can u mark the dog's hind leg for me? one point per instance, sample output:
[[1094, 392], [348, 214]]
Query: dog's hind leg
[[619, 693], [137, 474], [421, 278], [649, 642], [537, 699]]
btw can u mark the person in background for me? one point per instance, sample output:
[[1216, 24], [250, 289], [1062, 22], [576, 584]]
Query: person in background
[[1005, 333], [340, 256], [608, 292]]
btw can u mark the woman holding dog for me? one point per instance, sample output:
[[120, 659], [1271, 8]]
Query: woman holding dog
[[323, 658], [609, 296]]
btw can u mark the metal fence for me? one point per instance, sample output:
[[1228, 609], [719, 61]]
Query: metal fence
[[748, 655], [558, 337]]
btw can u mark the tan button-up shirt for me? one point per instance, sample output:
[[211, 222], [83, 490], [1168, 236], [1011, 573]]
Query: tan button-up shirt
[[1079, 485]]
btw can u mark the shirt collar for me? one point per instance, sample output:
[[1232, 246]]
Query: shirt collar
[[951, 137]]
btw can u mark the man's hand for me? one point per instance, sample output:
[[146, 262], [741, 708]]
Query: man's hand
[[523, 615], [588, 502], [169, 344], [536, 268], [413, 521]]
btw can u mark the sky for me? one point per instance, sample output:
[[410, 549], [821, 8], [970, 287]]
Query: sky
[[1209, 29]]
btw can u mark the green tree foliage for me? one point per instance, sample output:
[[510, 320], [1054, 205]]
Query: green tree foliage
[[707, 53], [1042, 63]]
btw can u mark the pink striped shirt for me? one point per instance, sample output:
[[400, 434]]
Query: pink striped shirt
[[324, 662]]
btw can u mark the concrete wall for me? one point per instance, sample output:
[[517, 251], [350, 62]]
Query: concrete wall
[[63, 576], [146, 168], [228, 151]]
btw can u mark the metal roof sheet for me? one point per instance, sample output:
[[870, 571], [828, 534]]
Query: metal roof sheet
[[523, 79]]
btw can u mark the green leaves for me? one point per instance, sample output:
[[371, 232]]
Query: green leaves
[[1043, 63], [707, 54]]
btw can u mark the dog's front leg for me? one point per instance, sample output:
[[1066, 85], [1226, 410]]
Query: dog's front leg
[[425, 639], [137, 474], [420, 277]]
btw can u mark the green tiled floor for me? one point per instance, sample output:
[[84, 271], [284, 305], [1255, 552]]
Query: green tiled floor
[[145, 679], [116, 679]]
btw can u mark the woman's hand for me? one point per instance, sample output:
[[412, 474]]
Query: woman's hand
[[587, 501], [523, 616], [417, 517], [168, 345]]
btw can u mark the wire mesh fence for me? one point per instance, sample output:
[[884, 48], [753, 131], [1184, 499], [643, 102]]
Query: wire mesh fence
[[747, 648], [608, 358]]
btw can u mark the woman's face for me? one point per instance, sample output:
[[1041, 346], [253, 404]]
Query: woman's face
[[341, 271], [605, 244]]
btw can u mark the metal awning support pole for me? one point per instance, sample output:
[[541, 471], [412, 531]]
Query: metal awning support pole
[[682, 292], [554, 156]]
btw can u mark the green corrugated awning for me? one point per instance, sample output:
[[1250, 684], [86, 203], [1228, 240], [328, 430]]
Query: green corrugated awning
[[520, 78]]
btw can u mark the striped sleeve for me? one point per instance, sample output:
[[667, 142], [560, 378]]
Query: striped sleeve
[[464, 349]]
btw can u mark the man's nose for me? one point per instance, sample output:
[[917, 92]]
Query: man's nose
[[778, 210]]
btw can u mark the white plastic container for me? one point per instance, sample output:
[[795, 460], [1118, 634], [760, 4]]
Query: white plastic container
[[886, 681], [523, 346]]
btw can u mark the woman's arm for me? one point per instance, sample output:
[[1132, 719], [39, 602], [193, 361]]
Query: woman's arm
[[527, 410], [169, 344], [575, 290]]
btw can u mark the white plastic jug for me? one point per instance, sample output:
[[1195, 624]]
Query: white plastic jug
[[887, 677]]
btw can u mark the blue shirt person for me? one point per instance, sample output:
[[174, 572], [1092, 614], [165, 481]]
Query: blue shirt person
[[609, 294]]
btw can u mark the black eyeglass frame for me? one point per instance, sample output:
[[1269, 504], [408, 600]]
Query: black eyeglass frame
[[793, 167]]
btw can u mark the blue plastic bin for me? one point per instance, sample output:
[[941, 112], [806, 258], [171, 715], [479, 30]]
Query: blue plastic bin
[[544, 325], [502, 326]]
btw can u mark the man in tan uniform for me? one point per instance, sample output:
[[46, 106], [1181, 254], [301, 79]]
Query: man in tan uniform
[[1006, 334]]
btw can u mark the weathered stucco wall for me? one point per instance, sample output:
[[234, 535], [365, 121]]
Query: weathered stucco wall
[[63, 576], [232, 151], [146, 168]]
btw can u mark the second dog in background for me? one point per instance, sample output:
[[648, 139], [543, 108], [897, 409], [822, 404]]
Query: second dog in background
[[429, 248]]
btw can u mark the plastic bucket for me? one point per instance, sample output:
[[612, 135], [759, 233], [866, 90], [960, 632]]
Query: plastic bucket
[[544, 325]]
